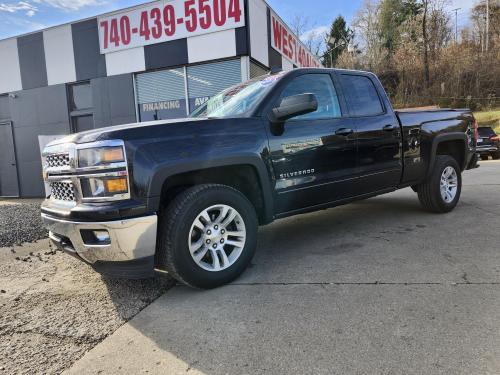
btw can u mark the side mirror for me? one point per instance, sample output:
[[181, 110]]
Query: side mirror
[[293, 106]]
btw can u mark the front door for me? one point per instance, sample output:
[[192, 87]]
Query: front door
[[314, 158], [9, 185]]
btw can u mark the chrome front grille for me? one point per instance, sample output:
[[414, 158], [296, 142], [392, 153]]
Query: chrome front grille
[[57, 160], [63, 176], [62, 191]]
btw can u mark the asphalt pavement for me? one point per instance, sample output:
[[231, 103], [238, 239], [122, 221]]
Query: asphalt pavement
[[375, 287]]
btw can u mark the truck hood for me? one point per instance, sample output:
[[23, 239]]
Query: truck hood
[[114, 131]]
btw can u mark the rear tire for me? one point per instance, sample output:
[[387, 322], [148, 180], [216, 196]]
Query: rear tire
[[207, 236], [485, 157], [441, 192], [495, 155]]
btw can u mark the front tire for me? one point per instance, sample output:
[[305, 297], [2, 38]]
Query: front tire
[[496, 155], [441, 192], [208, 236]]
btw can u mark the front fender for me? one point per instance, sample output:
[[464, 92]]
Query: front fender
[[162, 172]]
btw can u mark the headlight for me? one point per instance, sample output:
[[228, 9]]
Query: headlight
[[104, 187], [94, 157]]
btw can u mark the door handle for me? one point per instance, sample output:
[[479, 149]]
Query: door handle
[[344, 131], [389, 128]]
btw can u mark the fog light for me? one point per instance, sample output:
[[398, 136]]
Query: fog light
[[95, 237], [102, 236]]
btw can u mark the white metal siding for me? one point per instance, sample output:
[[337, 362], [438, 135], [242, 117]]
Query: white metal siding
[[126, 61], [59, 55], [286, 64], [213, 46], [259, 39], [10, 71]]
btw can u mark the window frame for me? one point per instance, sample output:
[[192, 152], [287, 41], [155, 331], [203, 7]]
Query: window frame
[[348, 104], [71, 96], [73, 114], [74, 119], [342, 106]]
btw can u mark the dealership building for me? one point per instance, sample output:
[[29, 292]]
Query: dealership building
[[155, 61]]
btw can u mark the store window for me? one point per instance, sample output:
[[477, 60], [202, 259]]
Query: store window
[[207, 80], [81, 107], [161, 95], [257, 70]]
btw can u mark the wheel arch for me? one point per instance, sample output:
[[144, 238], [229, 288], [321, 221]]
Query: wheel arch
[[453, 144], [246, 175]]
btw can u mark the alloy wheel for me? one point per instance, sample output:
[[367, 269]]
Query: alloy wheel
[[217, 238], [449, 184]]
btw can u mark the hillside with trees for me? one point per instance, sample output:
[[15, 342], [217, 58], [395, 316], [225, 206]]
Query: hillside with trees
[[416, 50]]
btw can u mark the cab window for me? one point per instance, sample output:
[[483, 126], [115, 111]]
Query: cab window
[[321, 85], [361, 95]]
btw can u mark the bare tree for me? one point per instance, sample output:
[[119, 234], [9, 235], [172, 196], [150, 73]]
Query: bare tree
[[439, 27], [366, 28], [311, 35], [425, 37]]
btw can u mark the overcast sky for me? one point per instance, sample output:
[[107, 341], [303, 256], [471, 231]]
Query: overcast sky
[[19, 17]]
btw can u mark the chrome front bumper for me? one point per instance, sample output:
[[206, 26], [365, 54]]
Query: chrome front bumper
[[130, 239]]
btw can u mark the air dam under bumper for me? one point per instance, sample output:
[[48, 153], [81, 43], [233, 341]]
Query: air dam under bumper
[[129, 240]]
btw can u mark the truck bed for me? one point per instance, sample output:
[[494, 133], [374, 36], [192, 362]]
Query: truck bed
[[420, 127]]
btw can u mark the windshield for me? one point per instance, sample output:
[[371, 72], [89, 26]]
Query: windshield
[[238, 100]]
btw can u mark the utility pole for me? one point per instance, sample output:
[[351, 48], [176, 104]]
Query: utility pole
[[456, 23], [487, 25]]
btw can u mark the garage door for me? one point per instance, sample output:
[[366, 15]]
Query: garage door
[[9, 185]]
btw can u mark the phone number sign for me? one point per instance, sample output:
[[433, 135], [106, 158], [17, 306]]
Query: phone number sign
[[168, 20]]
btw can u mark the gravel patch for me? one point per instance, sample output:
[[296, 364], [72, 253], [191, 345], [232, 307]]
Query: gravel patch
[[54, 308], [20, 223]]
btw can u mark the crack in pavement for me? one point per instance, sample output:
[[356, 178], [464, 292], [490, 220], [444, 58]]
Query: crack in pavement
[[366, 283], [475, 185], [480, 208]]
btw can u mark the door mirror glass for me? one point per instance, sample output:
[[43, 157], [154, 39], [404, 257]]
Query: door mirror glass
[[293, 106]]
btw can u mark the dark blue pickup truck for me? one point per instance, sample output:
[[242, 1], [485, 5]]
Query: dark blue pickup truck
[[186, 197]]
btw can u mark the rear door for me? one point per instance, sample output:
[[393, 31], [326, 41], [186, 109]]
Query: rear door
[[9, 185], [379, 164], [314, 157]]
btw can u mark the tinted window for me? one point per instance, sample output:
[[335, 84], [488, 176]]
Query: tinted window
[[486, 132], [362, 95], [238, 100], [81, 96], [320, 85]]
